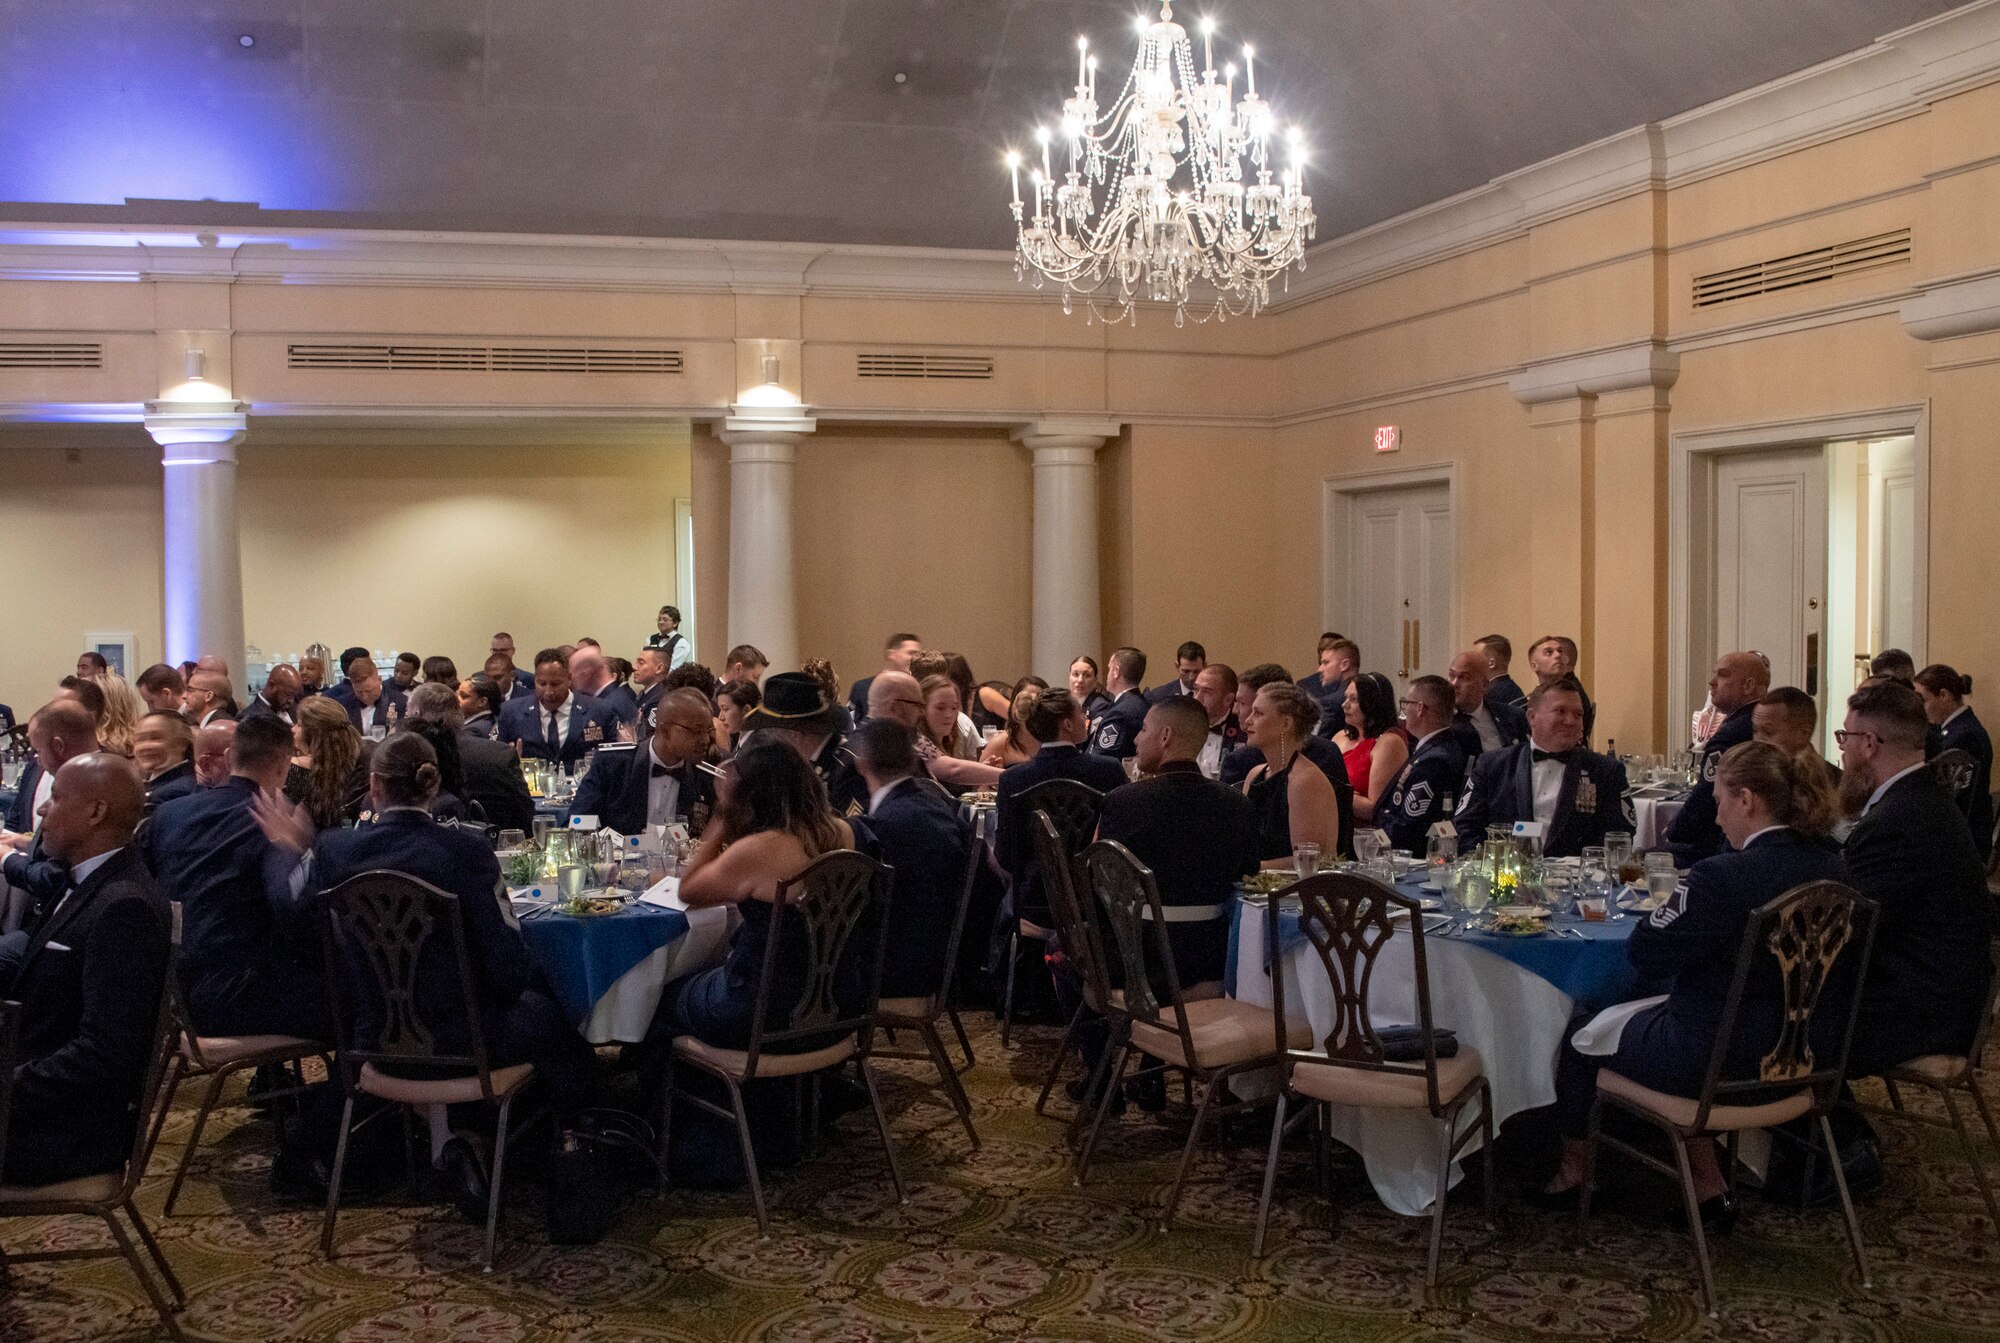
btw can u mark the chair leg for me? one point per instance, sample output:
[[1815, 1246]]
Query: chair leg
[[493, 1188], [1094, 1077], [666, 1116], [882, 1126], [1895, 1096], [1056, 1063], [153, 1249], [139, 1271], [1588, 1189], [964, 1040], [1847, 1201], [1007, 997], [749, 1158], [948, 1078], [1693, 1206], [216, 1082], [1442, 1197], [1985, 1114], [1270, 1178], [176, 1070], [1487, 1154], [1323, 1152], [1103, 1107], [1971, 1156], [1208, 1090], [333, 1184]]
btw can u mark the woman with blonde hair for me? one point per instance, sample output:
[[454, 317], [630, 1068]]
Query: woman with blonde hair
[[123, 708], [1015, 745], [329, 775]]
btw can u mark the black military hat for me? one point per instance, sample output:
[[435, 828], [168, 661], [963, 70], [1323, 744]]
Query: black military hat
[[794, 700]]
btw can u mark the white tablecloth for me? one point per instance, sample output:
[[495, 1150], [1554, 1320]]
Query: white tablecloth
[[1651, 816], [1514, 1018], [625, 1012]]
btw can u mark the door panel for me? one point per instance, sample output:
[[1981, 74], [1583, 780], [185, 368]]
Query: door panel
[[1770, 539], [1399, 569]]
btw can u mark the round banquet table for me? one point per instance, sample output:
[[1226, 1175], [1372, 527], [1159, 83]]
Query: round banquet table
[[608, 970], [1512, 999]]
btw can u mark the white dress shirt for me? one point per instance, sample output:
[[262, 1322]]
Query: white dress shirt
[[663, 791], [1482, 723], [371, 716], [43, 787], [1548, 780], [1209, 758]]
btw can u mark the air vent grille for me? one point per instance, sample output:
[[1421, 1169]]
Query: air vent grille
[[1802, 268], [928, 367], [50, 354], [483, 359]]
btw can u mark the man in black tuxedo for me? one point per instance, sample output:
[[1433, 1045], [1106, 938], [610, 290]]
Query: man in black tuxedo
[[1575, 793], [1480, 723], [919, 833], [1189, 659], [657, 781], [1912, 854], [1426, 790], [248, 962], [590, 673], [89, 980], [1737, 683], [1215, 691], [163, 748], [370, 704], [60, 731], [489, 772], [279, 697], [558, 723], [1056, 721]]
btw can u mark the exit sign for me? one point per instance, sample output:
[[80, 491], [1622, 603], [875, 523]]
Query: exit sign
[[1388, 438]]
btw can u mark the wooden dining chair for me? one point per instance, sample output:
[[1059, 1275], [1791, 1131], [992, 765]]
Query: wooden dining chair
[[1073, 808], [1947, 1076], [380, 930], [837, 907], [1208, 1038], [1806, 931], [1348, 920], [1083, 948], [101, 1197], [922, 1014]]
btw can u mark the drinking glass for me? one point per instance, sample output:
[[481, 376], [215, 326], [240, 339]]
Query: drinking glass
[[543, 826], [570, 878], [1618, 857], [1660, 885], [1131, 764], [511, 839], [1441, 852], [1559, 889], [1367, 847], [1305, 857], [1475, 889]]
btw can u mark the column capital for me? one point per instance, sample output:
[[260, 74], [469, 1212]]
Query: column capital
[[1646, 363], [197, 431], [1087, 435]]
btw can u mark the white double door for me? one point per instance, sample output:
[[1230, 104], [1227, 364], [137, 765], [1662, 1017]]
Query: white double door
[[1395, 553], [1770, 561]]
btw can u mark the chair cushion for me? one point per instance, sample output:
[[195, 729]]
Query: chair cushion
[[221, 1050], [1938, 1069], [1225, 1033], [1386, 1091], [84, 1189], [442, 1090], [1680, 1110], [731, 1062], [907, 1009]]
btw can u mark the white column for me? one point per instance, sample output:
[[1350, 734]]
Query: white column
[[763, 599], [1066, 618], [203, 562]]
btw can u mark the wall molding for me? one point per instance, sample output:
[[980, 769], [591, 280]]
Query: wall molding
[[1644, 364], [1956, 306]]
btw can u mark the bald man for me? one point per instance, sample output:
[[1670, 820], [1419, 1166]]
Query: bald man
[[897, 695], [1738, 682], [279, 697], [89, 979], [208, 697], [590, 673], [215, 753]]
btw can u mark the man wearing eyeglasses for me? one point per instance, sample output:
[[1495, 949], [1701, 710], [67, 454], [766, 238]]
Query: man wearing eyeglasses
[[658, 781], [1426, 791], [1738, 682]]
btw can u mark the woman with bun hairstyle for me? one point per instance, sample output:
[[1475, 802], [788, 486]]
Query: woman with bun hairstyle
[[1955, 727]]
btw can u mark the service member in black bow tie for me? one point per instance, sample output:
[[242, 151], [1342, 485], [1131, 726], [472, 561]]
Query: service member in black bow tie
[[1577, 794], [658, 781]]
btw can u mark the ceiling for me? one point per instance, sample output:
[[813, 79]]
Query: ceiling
[[783, 120]]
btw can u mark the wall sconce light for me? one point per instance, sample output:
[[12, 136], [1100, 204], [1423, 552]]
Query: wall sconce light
[[197, 365], [771, 370]]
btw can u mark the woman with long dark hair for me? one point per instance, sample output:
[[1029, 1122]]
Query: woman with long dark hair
[[1371, 743], [1957, 728], [329, 775]]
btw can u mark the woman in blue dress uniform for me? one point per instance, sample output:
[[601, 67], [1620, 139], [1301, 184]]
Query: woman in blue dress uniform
[[1956, 727]]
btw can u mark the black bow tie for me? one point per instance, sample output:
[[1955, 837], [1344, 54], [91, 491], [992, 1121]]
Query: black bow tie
[[668, 771], [1564, 756]]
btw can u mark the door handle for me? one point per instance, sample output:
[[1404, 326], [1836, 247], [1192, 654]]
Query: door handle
[[1812, 664], [1417, 660], [1404, 671]]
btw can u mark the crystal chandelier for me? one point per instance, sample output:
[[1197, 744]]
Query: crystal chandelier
[[1124, 223]]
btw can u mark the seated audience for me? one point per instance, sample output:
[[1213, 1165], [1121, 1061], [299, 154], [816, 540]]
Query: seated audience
[[1957, 728], [917, 832], [519, 1020], [87, 692], [898, 695], [771, 819], [733, 703], [1553, 657], [279, 697], [1787, 718], [1215, 691], [312, 675], [1294, 806], [1324, 755], [249, 962], [215, 753], [1339, 663], [1738, 682], [898, 651], [1912, 854], [1371, 742], [1498, 650], [1479, 723], [161, 687], [89, 980], [490, 786], [946, 728], [1189, 659], [90, 666], [403, 676], [1115, 731], [479, 701], [1575, 793], [501, 670], [658, 781], [1425, 791], [163, 748], [556, 723], [372, 707], [329, 773], [1086, 686], [208, 697], [800, 711], [1775, 813], [745, 663], [649, 682], [1894, 664], [1055, 721], [590, 673]]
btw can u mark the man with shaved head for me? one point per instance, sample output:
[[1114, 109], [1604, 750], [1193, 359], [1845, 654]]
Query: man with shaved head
[[279, 697], [1738, 682], [590, 673], [208, 697], [215, 753], [89, 980]]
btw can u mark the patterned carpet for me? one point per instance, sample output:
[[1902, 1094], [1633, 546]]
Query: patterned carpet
[[1002, 1245]]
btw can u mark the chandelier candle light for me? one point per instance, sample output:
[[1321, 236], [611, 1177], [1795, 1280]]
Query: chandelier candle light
[[1124, 223]]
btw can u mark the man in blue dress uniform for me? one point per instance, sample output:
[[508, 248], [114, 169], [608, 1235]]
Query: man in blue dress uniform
[[1575, 793], [1116, 731]]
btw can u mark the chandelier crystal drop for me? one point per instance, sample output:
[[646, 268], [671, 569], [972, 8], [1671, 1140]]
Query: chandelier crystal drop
[[1173, 194]]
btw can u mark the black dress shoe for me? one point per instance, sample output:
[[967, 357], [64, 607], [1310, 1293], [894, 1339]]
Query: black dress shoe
[[1148, 1090], [462, 1166], [1075, 1090]]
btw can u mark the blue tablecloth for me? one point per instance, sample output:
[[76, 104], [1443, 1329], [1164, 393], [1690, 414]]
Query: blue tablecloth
[[585, 957], [1594, 971]]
